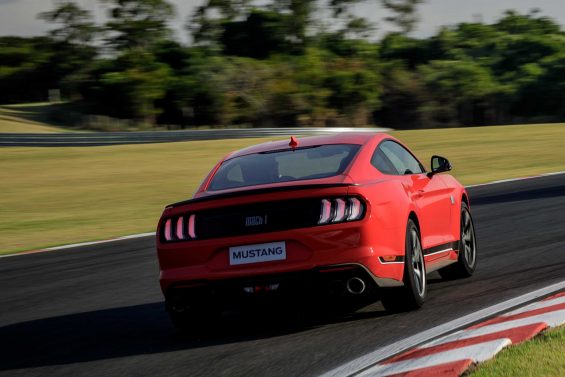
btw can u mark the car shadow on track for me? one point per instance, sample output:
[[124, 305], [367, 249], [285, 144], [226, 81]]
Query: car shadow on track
[[136, 330]]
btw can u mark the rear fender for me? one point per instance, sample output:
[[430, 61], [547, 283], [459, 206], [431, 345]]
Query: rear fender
[[389, 211]]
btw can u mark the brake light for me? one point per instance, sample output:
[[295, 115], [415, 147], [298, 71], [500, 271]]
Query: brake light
[[179, 228], [191, 232], [168, 230], [341, 209], [355, 209], [326, 214]]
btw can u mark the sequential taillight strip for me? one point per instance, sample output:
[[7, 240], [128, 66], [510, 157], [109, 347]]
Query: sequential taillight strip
[[191, 231], [179, 228], [337, 210], [168, 230]]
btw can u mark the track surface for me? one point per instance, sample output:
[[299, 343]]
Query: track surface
[[97, 310], [91, 139]]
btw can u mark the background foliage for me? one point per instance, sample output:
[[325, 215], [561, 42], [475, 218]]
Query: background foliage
[[281, 63]]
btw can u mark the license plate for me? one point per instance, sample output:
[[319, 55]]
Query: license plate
[[263, 252]]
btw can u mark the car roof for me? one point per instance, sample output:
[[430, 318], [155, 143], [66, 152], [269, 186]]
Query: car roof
[[351, 137]]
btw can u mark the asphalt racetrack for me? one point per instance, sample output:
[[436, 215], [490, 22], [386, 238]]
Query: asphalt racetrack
[[97, 310]]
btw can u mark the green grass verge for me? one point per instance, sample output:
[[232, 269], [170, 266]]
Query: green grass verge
[[542, 356], [54, 196]]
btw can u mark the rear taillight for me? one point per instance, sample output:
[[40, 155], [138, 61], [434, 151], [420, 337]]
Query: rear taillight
[[179, 228], [337, 210]]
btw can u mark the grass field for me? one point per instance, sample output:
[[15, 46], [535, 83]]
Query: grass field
[[53, 196], [542, 356], [26, 118]]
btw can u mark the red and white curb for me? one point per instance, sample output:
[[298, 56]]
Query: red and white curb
[[430, 347], [451, 355]]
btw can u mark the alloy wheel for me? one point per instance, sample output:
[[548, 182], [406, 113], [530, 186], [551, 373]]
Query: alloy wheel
[[468, 239], [418, 268]]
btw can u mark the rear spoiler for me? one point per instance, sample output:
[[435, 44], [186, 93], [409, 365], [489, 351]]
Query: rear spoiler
[[260, 191]]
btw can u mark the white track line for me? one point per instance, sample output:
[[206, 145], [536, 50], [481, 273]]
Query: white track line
[[56, 248], [537, 305], [477, 352], [516, 179], [552, 319], [395, 348]]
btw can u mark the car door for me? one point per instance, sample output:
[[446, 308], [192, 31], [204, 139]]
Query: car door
[[429, 194]]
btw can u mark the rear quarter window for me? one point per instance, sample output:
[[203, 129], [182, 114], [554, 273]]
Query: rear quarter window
[[392, 158]]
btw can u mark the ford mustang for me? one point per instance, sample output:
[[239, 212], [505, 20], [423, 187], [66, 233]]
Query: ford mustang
[[351, 215]]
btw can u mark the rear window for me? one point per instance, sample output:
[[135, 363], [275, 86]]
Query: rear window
[[283, 166]]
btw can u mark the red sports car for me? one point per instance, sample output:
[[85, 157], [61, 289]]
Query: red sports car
[[347, 215]]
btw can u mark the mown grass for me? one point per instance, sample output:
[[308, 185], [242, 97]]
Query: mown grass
[[26, 118], [53, 196], [484, 154], [542, 356]]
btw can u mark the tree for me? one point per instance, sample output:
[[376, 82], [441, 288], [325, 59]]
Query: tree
[[259, 35], [129, 86], [71, 45], [138, 23], [340, 6], [354, 27], [461, 92], [532, 24], [404, 14], [206, 23], [76, 23], [27, 70], [404, 98], [412, 51], [300, 17], [354, 91], [358, 28], [543, 94]]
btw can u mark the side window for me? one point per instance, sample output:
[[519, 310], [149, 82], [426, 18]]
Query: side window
[[398, 157], [382, 163]]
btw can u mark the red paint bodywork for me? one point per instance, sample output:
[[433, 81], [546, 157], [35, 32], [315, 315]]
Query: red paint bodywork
[[435, 203]]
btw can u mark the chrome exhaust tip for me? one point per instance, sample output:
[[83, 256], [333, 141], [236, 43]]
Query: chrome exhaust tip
[[355, 286]]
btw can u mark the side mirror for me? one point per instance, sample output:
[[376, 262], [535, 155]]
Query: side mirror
[[439, 165]]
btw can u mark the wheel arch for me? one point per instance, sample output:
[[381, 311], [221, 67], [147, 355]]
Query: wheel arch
[[414, 217], [465, 199]]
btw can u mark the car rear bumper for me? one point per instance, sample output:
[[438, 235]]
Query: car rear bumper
[[337, 282], [308, 251]]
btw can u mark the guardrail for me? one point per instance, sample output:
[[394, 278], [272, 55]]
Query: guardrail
[[91, 139]]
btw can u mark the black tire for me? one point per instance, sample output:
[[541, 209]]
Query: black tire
[[467, 260], [413, 294]]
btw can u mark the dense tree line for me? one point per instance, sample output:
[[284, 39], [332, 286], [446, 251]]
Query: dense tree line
[[290, 62]]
